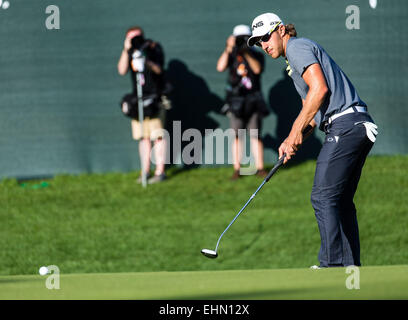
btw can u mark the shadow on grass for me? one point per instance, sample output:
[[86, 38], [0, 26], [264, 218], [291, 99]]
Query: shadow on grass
[[4, 281], [257, 295], [258, 235]]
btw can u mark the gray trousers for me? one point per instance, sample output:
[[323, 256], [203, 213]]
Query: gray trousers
[[338, 171]]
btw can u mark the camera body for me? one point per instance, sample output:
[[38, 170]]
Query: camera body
[[241, 43], [137, 42]]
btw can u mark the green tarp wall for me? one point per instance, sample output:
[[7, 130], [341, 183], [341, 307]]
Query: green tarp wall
[[59, 89]]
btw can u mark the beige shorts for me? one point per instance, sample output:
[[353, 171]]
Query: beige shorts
[[152, 129]]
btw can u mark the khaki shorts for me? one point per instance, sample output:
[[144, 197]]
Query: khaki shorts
[[152, 128]]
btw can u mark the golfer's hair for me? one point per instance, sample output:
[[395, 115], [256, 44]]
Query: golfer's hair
[[291, 30]]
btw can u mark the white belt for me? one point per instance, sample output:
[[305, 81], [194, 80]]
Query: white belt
[[347, 111]]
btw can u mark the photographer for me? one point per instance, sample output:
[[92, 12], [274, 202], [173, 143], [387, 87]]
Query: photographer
[[145, 57], [245, 105]]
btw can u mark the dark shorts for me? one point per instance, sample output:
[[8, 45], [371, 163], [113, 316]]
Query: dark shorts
[[252, 122]]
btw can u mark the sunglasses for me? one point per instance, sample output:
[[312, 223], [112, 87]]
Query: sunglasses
[[266, 37]]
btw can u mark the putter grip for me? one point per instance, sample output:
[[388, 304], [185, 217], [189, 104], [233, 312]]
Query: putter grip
[[275, 168]]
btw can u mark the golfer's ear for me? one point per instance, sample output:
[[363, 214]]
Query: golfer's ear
[[282, 30]]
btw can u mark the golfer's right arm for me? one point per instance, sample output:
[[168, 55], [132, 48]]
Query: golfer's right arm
[[318, 91]]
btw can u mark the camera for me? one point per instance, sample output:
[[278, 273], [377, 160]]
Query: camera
[[241, 43], [137, 42]]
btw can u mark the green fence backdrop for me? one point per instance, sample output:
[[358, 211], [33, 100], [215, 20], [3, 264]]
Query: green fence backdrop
[[59, 89]]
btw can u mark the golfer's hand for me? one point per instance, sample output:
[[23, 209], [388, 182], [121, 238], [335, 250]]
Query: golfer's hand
[[291, 145], [286, 148], [295, 139]]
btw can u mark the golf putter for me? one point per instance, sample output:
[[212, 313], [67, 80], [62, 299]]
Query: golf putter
[[213, 253]]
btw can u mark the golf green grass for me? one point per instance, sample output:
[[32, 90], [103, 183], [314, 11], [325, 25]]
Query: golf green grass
[[379, 282], [107, 223]]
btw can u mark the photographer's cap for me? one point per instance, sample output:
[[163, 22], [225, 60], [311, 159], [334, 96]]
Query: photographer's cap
[[262, 25], [241, 30]]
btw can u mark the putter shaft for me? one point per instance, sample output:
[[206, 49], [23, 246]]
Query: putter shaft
[[270, 174]]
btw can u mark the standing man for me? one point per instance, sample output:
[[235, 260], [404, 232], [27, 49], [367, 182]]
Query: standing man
[[245, 102], [331, 103], [147, 57]]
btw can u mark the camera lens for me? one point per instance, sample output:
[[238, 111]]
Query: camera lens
[[241, 42], [137, 42]]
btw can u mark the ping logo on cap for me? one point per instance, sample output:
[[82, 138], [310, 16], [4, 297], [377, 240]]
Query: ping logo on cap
[[257, 25]]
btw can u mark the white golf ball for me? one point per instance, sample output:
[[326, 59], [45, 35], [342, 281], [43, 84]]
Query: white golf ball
[[6, 5], [43, 271]]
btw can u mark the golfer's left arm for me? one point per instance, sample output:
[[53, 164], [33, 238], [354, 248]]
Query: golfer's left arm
[[316, 96], [307, 132]]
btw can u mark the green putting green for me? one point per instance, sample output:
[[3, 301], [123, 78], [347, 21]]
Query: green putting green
[[107, 223], [375, 282]]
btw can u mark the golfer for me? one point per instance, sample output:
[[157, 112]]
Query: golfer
[[331, 103]]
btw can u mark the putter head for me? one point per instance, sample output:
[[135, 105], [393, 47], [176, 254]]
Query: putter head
[[209, 253]]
